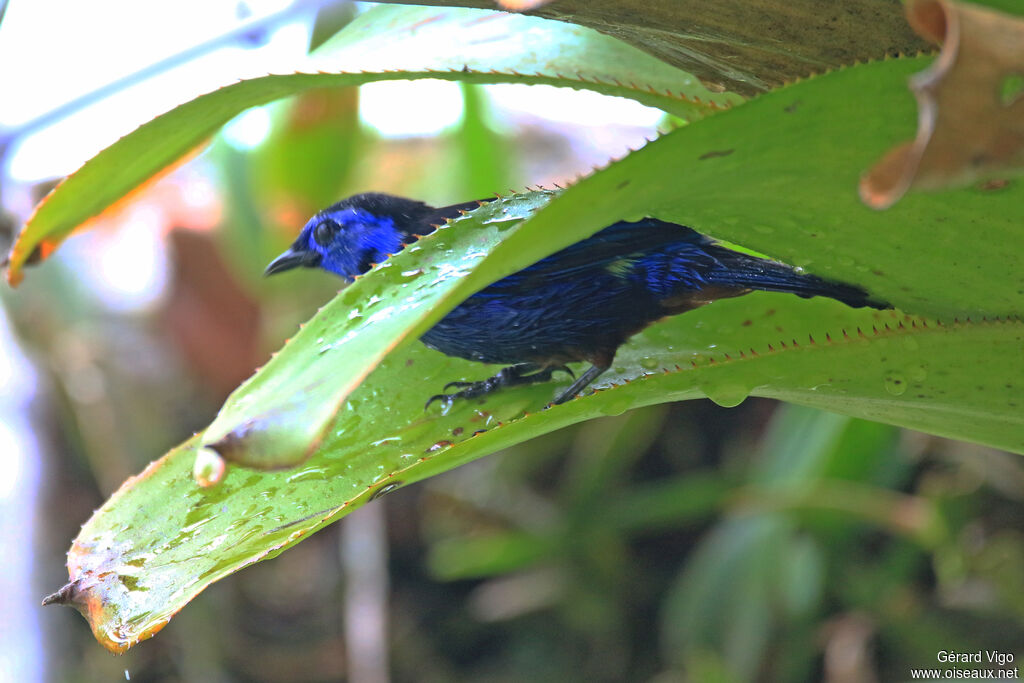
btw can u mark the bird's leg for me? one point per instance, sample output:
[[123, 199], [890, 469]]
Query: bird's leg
[[580, 384], [507, 377]]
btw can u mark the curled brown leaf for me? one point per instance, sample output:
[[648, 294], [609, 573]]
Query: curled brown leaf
[[970, 104]]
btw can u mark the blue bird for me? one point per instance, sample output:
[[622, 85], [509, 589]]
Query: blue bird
[[578, 304]]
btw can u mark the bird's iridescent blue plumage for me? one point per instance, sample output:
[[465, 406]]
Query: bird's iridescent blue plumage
[[578, 304]]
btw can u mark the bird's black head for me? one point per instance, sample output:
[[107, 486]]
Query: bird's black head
[[347, 238]]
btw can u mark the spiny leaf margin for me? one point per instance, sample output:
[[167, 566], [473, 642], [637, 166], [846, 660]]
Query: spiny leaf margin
[[155, 145], [954, 370], [161, 539]]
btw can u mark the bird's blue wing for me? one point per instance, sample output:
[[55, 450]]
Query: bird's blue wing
[[613, 251]]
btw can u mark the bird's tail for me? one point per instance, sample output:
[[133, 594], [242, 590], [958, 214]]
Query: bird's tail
[[750, 272]]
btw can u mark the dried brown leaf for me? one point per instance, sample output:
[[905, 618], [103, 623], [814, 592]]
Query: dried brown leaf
[[970, 104]]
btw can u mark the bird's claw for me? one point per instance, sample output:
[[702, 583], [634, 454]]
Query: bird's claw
[[566, 369], [472, 390], [508, 377], [447, 398]]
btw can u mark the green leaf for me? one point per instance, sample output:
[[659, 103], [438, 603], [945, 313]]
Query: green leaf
[[493, 48], [481, 556], [278, 417], [723, 600], [744, 46], [774, 175], [168, 538], [777, 174]]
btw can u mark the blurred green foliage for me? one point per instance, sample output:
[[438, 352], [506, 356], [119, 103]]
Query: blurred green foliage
[[820, 547]]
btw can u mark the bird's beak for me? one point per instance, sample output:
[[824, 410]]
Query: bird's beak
[[293, 258]]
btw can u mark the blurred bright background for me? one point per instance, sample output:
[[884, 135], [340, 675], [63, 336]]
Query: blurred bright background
[[683, 542]]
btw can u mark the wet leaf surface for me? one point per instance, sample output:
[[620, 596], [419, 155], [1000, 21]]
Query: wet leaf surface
[[162, 538], [779, 175], [278, 417]]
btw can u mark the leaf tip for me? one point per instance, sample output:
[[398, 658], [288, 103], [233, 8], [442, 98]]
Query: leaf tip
[[68, 594], [209, 467]]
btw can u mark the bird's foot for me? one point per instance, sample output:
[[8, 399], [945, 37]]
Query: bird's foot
[[579, 385], [514, 375]]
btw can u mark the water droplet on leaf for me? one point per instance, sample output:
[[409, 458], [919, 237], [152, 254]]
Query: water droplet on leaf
[[728, 395], [617, 407], [384, 490], [895, 384], [209, 468], [308, 473]]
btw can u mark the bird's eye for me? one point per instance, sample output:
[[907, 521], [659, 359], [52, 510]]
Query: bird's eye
[[325, 231]]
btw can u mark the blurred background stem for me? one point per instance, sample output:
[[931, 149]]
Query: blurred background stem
[[364, 557]]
